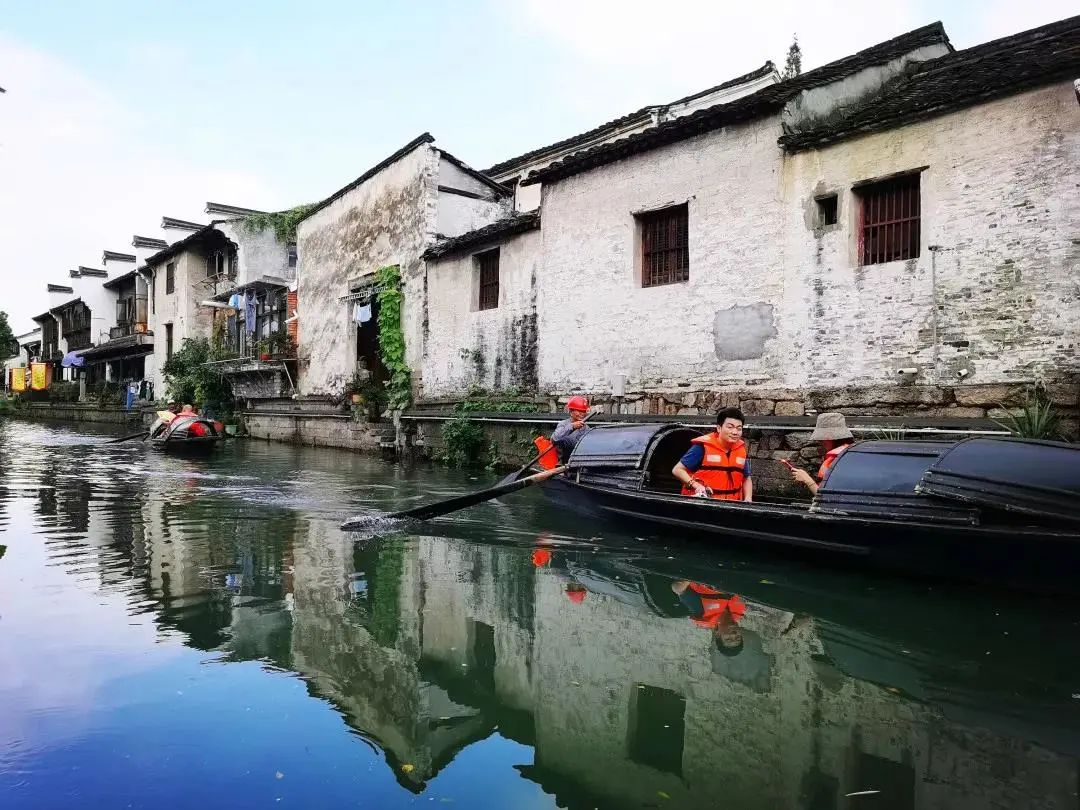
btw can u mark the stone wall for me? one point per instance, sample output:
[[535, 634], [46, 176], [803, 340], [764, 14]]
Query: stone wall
[[316, 429], [74, 412]]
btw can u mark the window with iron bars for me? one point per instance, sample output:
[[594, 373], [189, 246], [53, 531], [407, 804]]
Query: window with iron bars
[[488, 262], [889, 220], [665, 246]]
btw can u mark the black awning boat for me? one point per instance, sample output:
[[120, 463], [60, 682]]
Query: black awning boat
[[185, 434], [884, 504]]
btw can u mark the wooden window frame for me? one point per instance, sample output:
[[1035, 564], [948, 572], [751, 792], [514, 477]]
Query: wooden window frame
[[488, 278], [168, 340], [664, 245], [170, 278], [890, 219]]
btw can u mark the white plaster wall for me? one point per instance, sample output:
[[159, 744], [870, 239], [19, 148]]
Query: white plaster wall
[[102, 303], [493, 348], [258, 253], [999, 198], [458, 214], [181, 308], [388, 219], [595, 318]]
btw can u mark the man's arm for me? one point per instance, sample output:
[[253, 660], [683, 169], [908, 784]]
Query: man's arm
[[748, 489], [562, 430]]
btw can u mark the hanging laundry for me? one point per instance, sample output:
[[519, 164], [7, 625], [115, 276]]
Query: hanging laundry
[[362, 313], [249, 312], [236, 301]]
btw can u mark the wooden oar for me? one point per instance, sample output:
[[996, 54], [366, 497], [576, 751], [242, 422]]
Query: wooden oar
[[461, 501], [514, 475], [140, 434]]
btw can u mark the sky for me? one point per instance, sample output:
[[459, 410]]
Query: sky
[[120, 111]]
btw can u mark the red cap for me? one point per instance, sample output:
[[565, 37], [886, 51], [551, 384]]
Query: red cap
[[578, 403], [576, 593]]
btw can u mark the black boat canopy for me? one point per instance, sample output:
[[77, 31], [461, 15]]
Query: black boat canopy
[[1016, 475]]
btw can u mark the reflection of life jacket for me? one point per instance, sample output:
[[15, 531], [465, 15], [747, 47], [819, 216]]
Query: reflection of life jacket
[[829, 460], [541, 557], [549, 458], [714, 604], [722, 471]]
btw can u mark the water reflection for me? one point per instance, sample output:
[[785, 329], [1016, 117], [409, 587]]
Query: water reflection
[[501, 659]]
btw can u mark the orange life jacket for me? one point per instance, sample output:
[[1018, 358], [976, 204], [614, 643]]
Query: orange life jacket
[[549, 456], [714, 604], [722, 471], [829, 460]]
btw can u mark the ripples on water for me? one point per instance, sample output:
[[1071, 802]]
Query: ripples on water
[[193, 633]]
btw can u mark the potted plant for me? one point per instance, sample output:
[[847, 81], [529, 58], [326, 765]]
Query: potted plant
[[374, 398]]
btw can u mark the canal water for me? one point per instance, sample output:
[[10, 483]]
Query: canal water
[[199, 633]]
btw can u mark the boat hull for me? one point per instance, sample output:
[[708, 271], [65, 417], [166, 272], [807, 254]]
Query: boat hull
[[1030, 557]]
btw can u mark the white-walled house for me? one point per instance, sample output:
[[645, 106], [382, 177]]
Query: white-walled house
[[892, 230], [389, 215]]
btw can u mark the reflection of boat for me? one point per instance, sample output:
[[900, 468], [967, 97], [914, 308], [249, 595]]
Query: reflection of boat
[[993, 509], [186, 434]]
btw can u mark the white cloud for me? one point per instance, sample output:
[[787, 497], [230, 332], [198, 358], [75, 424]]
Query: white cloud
[[80, 172]]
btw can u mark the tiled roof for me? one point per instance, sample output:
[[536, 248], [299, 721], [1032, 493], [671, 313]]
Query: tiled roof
[[59, 288], [179, 247], [148, 242], [972, 76], [763, 102], [642, 115], [113, 256], [179, 224], [519, 223]]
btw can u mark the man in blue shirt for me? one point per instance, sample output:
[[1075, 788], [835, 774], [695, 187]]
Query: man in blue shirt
[[717, 465]]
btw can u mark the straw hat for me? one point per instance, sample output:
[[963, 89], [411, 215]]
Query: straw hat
[[830, 426]]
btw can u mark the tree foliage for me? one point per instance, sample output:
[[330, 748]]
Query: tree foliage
[[8, 346], [392, 337], [283, 222], [793, 66], [189, 380]]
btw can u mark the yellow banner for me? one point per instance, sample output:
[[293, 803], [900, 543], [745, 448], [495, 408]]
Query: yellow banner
[[38, 379], [18, 379]]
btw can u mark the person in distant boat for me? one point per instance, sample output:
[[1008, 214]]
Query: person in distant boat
[[717, 464], [832, 431], [570, 431], [173, 406], [188, 410], [715, 610]]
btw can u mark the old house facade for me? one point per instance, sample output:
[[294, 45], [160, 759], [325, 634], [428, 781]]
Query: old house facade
[[892, 231], [389, 215]]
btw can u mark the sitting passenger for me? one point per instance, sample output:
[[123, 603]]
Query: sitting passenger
[[832, 431], [717, 465]]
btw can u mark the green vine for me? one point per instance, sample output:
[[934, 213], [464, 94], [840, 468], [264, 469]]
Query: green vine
[[283, 222], [392, 338]]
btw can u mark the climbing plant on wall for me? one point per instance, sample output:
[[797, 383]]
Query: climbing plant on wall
[[283, 222], [391, 336]]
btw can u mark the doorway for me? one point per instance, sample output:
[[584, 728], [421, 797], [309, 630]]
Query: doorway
[[367, 346]]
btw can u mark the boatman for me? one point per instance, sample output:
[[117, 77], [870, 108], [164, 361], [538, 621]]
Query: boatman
[[570, 431], [832, 431], [717, 464]]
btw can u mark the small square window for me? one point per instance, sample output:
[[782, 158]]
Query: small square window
[[889, 219], [488, 263], [665, 246], [826, 210]]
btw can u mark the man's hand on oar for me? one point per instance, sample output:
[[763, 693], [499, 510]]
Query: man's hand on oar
[[460, 502]]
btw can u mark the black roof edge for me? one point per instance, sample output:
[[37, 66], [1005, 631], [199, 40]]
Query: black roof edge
[[517, 162], [59, 288], [421, 139], [497, 187], [764, 101], [114, 283], [179, 247], [230, 210], [180, 224], [862, 119], [148, 241], [511, 226], [97, 272], [115, 256]]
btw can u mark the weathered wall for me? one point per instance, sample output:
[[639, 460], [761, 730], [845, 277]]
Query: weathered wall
[[999, 295], [388, 219], [258, 253], [73, 412], [181, 309], [772, 303], [492, 348], [595, 318], [459, 214], [316, 429]]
